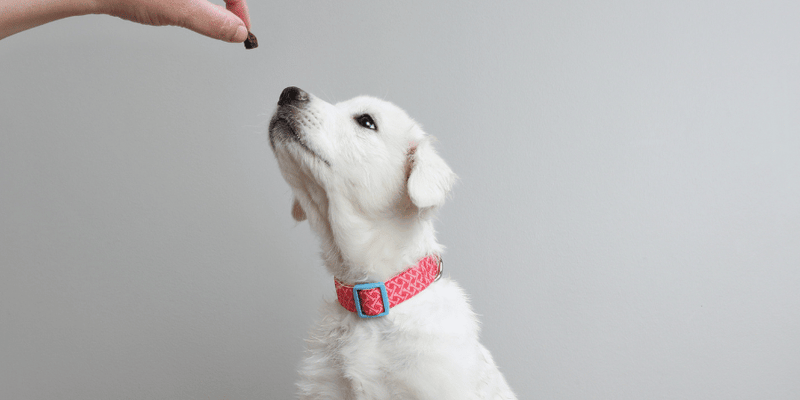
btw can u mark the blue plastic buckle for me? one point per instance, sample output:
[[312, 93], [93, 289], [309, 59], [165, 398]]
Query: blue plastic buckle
[[384, 296]]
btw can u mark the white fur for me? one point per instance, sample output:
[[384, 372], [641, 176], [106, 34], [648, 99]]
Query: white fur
[[370, 195]]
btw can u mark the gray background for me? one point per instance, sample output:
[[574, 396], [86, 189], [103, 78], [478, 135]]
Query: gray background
[[627, 220]]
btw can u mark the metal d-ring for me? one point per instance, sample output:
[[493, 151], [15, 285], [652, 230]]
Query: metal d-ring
[[441, 268]]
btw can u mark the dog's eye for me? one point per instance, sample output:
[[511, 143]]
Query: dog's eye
[[366, 121]]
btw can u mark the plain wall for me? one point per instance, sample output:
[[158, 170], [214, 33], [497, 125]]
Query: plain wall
[[627, 219]]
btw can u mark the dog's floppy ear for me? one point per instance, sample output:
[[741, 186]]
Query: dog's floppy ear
[[429, 178], [298, 213]]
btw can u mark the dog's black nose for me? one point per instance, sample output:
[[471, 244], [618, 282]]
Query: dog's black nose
[[291, 95]]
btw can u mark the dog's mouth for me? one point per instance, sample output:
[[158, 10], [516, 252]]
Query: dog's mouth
[[282, 128], [285, 129]]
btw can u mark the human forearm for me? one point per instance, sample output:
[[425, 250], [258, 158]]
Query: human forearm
[[19, 15]]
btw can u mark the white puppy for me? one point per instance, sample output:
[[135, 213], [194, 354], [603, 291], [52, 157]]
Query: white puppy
[[367, 178]]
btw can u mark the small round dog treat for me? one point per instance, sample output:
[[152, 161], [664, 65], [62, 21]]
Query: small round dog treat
[[251, 42]]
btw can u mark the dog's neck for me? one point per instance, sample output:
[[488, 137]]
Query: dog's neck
[[359, 248]]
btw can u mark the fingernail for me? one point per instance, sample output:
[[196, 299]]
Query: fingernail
[[241, 34]]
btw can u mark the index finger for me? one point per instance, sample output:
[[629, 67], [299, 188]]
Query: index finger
[[239, 7]]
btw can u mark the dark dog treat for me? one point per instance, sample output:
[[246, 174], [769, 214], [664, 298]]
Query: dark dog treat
[[251, 42]]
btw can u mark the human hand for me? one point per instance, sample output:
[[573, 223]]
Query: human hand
[[231, 23]]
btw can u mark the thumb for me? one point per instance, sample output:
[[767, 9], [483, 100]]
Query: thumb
[[216, 22]]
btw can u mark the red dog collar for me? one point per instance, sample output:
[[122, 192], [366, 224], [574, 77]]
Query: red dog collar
[[370, 300]]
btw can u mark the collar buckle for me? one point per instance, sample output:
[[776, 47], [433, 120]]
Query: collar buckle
[[384, 298]]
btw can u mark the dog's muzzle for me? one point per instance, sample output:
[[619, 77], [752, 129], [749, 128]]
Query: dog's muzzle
[[286, 124], [283, 124]]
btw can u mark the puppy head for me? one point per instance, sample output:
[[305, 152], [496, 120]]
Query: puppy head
[[363, 156]]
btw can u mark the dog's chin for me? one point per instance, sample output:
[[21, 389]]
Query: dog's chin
[[283, 131]]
